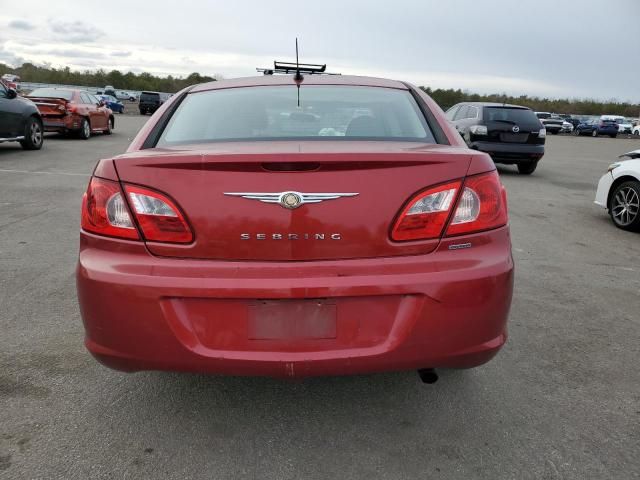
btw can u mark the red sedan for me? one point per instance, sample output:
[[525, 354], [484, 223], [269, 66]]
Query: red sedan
[[247, 231], [72, 112]]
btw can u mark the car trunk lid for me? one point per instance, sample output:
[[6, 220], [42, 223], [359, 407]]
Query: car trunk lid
[[50, 107], [217, 189]]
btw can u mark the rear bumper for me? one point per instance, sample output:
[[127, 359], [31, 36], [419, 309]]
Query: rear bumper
[[512, 152], [446, 309], [61, 124]]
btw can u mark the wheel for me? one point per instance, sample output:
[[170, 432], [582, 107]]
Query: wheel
[[554, 132], [33, 135], [109, 129], [636, 132], [624, 206], [594, 133], [527, 168], [613, 136], [143, 112], [122, 111], [576, 132], [85, 129]]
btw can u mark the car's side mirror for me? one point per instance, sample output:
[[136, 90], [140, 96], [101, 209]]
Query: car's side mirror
[[11, 93]]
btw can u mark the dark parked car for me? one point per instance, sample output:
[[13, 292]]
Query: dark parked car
[[597, 127], [20, 120], [151, 101], [510, 134]]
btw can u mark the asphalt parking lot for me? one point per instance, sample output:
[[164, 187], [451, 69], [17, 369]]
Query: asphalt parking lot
[[561, 401]]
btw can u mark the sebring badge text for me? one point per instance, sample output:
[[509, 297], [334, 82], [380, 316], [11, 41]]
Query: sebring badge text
[[291, 236]]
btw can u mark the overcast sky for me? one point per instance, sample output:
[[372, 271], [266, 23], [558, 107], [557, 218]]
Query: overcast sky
[[557, 48]]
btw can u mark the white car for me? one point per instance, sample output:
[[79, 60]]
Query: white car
[[566, 127], [624, 126], [619, 192], [123, 95], [636, 130]]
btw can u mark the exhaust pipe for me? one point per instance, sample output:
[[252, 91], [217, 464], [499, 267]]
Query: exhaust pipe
[[428, 375]]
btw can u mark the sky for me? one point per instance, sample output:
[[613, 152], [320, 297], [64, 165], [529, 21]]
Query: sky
[[554, 48]]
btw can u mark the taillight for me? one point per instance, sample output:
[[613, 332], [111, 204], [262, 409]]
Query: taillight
[[104, 210], [481, 205], [159, 218], [426, 214]]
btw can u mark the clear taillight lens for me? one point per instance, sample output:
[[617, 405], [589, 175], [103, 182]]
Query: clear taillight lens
[[158, 216], [425, 216]]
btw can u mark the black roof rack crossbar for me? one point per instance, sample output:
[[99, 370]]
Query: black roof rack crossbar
[[290, 67]]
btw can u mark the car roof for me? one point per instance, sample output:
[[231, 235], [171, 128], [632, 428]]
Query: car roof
[[265, 80]]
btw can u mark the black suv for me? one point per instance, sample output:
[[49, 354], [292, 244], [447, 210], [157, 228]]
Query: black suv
[[20, 120], [510, 134], [151, 101]]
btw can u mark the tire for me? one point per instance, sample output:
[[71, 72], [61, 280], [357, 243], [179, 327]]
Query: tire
[[527, 168], [143, 112], [576, 132], [554, 132], [33, 134], [85, 130], [132, 99], [110, 125], [636, 133], [594, 133], [624, 206], [613, 136]]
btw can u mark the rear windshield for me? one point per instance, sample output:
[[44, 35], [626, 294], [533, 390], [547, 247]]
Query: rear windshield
[[272, 113], [505, 114], [52, 93], [149, 96]]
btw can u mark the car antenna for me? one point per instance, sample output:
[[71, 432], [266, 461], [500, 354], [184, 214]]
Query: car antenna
[[298, 78]]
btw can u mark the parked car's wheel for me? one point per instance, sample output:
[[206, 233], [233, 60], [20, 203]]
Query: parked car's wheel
[[576, 132], [527, 168], [85, 129], [613, 135], [636, 132], [554, 132], [109, 129], [143, 112], [132, 99], [624, 206], [594, 133], [33, 134]]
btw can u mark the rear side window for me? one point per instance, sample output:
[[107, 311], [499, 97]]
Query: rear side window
[[52, 93], [271, 113], [149, 97], [505, 114]]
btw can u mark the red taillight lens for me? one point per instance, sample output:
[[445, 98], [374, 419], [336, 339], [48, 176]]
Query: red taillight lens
[[104, 210], [482, 205], [159, 218], [425, 216]]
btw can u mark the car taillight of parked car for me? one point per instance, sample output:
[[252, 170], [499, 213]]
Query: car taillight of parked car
[[476, 204], [105, 211]]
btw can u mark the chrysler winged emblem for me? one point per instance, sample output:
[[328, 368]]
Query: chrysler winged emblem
[[289, 200]]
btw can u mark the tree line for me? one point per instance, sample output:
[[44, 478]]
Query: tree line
[[446, 98], [29, 72]]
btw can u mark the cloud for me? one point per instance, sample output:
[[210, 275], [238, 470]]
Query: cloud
[[76, 31], [21, 25], [73, 53], [121, 54]]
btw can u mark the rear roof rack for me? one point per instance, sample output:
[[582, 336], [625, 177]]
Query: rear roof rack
[[290, 67]]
